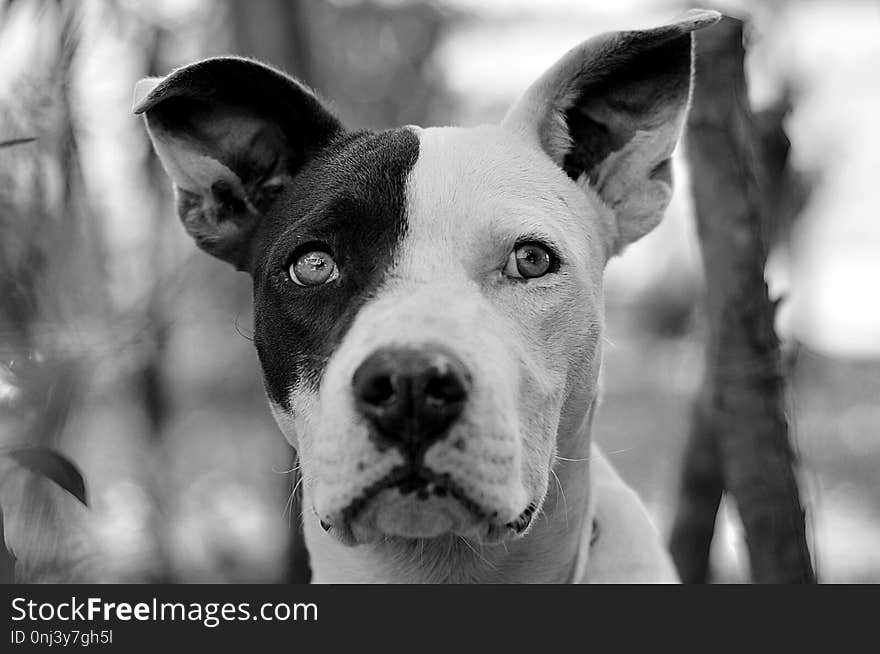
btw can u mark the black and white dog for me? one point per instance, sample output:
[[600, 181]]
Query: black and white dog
[[428, 303]]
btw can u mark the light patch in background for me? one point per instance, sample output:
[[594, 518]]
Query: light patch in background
[[832, 50], [847, 535], [223, 525], [830, 283]]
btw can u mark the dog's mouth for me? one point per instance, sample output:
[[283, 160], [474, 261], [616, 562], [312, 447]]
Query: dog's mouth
[[417, 503], [419, 480]]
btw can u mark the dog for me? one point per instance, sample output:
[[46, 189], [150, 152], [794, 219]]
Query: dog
[[428, 303]]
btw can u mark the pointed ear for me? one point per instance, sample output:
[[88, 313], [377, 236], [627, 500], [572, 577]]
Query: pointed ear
[[610, 112], [231, 133]]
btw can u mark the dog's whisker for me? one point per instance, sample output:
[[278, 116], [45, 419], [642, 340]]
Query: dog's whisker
[[589, 458], [562, 493], [247, 337], [288, 507], [284, 472], [479, 555]]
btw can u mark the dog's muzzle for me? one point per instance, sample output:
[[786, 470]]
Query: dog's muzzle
[[411, 397]]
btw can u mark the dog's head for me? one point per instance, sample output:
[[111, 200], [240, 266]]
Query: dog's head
[[428, 302]]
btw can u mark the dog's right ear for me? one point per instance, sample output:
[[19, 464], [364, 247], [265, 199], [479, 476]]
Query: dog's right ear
[[231, 133], [610, 112]]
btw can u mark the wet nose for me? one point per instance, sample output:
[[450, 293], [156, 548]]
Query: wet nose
[[411, 396]]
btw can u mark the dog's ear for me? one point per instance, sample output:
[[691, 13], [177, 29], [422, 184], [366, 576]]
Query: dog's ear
[[230, 133], [610, 112]]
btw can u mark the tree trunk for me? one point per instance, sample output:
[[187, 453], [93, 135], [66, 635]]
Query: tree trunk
[[739, 440]]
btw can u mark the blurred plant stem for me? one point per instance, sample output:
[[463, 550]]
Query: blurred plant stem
[[739, 440], [274, 31]]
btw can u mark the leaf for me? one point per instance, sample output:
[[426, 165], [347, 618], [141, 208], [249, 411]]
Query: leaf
[[53, 465]]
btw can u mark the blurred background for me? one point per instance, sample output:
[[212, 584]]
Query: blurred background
[[130, 352]]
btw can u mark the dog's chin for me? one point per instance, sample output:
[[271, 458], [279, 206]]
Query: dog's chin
[[392, 513]]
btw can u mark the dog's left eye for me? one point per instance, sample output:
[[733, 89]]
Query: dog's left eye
[[313, 268], [530, 260]]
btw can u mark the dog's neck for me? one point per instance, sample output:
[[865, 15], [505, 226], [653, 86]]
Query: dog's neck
[[553, 551]]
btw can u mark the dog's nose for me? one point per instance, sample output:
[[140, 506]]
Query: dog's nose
[[411, 396]]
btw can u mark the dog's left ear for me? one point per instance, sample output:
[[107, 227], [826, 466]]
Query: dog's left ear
[[610, 112]]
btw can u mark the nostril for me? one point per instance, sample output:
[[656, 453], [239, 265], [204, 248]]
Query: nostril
[[378, 390], [445, 388]]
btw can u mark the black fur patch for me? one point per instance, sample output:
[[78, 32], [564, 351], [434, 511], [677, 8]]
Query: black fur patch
[[352, 197]]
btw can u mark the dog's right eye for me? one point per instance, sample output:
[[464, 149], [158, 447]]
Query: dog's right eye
[[313, 267]]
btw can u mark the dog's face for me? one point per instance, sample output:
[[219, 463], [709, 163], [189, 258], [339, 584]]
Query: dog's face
[[428, 302], [457, 315]]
